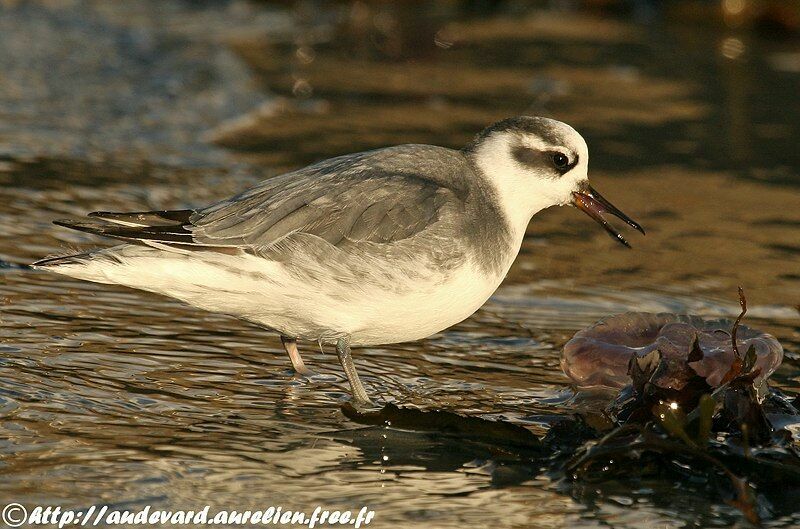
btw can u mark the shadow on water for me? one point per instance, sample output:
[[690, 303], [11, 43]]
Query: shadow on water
[[124, 398]]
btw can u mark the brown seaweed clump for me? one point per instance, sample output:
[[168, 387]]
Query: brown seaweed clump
[[688, 346], [695, 411]]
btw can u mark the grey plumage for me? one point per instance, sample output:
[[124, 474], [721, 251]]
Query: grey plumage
[[380, 196], [370, 203], [544, 128]]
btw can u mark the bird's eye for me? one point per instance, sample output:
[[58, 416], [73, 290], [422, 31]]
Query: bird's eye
[[560, 160]]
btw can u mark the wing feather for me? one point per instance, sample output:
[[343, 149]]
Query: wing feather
[[377, 197]]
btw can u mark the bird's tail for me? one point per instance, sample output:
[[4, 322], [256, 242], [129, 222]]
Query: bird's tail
[[89, 266], [61, 260]]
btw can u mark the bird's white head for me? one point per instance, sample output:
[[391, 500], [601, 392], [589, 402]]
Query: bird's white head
[[533, 163]]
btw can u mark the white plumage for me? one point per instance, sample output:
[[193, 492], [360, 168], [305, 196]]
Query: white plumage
[[370, 314]]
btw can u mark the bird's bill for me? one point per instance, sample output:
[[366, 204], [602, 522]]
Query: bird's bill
[[594, 204]]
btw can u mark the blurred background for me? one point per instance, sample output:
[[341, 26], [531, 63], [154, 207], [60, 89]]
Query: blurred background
[[691, 112]]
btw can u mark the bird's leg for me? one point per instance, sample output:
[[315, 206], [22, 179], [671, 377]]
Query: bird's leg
[[290, 344], [343, 351]]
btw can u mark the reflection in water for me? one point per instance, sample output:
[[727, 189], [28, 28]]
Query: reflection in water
[[109, 395]]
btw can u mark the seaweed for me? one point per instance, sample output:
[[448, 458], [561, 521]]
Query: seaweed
[[682, 421], [667, 422], [738, 362], [446, 423]]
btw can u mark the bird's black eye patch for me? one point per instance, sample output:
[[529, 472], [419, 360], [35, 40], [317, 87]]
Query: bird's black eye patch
[[542, 160], [528, 156]]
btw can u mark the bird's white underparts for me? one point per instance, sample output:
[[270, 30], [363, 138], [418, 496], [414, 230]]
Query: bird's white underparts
[[378, 247]]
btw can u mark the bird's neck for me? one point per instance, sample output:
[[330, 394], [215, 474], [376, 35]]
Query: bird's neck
[[496, 224], [517, 198], [518, 213]]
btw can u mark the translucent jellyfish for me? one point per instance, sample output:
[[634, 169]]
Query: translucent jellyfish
[[599, 355]]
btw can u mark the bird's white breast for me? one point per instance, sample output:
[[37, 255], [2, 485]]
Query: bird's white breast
[[375, 313], [267, 293], [430, 307]]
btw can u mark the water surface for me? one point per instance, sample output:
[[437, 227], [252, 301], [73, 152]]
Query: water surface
[[112, 396]]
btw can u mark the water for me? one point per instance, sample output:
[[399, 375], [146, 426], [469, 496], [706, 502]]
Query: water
[[111, 396]]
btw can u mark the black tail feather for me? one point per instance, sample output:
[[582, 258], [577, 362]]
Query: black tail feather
[[146, 218], [171, 228], [61, 260], [168, 234]]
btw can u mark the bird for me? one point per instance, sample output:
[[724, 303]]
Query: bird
[[372, 248]]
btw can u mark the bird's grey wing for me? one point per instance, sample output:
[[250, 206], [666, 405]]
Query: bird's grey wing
[[339, 210], [343, 201]]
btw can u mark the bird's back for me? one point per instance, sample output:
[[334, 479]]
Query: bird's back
[[325, 249]]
